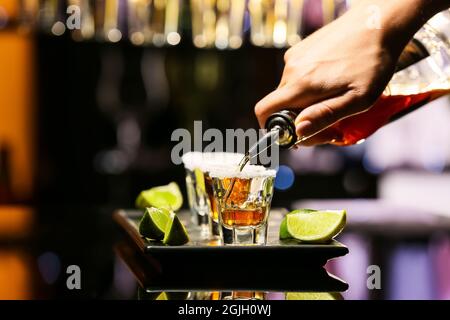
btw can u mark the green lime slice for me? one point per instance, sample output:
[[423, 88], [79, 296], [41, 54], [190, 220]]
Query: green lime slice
[[168, 197], [318, 227], [154, 222], [313, 296], [176, 234], [284, 234], [302, 211]]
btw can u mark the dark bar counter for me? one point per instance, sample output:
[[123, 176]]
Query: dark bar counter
[[40, 246]]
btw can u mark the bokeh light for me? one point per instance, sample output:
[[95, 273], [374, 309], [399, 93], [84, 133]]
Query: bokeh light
[[3, 18], [49, 266], [285, 178]]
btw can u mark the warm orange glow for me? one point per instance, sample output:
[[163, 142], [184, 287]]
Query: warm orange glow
[[16, 112], [15, 222], [15, 276], [10, 6]]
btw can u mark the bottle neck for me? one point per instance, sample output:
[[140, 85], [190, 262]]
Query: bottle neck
[[432, 37], [283, 124], [414, 52]]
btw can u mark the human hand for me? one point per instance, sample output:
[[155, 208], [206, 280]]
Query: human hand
[[341, 69]]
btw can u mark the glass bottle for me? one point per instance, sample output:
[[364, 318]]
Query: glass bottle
[[423, 75]]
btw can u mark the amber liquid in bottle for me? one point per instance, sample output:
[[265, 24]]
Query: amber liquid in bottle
[[421, 76], [388, 108]]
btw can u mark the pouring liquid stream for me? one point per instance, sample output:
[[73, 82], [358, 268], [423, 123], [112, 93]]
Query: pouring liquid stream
[[267, 141]]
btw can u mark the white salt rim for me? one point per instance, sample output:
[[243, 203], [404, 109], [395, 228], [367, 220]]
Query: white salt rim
[[191, 159], [206, 160], [250, 171]]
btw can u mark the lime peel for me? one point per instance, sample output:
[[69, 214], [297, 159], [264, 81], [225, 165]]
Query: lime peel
[[175, 233], [313, 226], [167, 196], [153, 223]]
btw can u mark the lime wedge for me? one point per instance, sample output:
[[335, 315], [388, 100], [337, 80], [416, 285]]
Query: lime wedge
[[168, 197], [313, 296], [302, 211], [317, 226], [284, 234], [161, 224], [154, 222], [176, 234], [173, 296]]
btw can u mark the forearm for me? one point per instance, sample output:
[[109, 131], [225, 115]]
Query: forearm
[[394, 22]]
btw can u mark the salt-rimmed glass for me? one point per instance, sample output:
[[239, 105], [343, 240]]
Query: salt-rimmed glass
[[199, 187], [244, 200]]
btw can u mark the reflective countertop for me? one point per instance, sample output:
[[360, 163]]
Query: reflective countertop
[[45, 251]]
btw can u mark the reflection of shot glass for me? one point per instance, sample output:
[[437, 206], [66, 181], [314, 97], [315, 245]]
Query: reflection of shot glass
[[199, 187], [198, 201], [244, 200]]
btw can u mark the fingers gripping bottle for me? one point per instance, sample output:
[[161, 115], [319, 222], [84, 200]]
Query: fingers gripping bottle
[[423, 75]]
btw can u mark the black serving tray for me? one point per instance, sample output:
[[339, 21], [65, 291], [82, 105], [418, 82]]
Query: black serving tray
[[281, 265]]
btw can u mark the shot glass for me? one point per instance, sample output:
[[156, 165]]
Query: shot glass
[[244, 200], [199, 185]]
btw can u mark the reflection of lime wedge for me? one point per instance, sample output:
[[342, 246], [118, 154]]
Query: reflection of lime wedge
[[162, 296], [318, 226], [168, 196], [176, 233], [153, 223], [313, 296], [147, 295], [284, 234]]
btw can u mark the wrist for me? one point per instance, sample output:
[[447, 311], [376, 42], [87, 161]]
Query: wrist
[[395, 22]]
